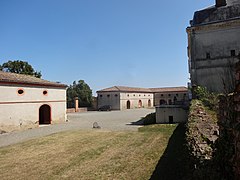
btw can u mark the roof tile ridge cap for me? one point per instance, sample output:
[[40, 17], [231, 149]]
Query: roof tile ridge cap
[[39, 80], [117, 88]]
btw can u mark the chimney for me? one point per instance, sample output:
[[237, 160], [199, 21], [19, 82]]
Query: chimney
[[220, 3]]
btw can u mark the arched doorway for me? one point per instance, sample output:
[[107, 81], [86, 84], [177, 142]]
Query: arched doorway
[[45, 114], [162, 102], [149, 103], [170, 102], [140, 103], [175, 100], [128, 104]]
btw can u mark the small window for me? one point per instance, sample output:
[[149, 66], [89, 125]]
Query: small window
[[144, 95], [162, 95], [185, 94], [100, 95], [134, 95], [139, 94], [169, 94], [208, 56], [45, 92], [116, 95], [149, 95], [20, 91], [233, 53], [108, 95], [128, 95], [176, 94]]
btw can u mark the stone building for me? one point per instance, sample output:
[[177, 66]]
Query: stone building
[[214, 45], [120, 97], [27, 102], [170, 96]]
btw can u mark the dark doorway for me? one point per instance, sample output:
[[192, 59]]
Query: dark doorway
[[170, 119], [45, 114], [162, 102], [175, 100], [149, 103], [140, 104], [170, 102], [128, 105]]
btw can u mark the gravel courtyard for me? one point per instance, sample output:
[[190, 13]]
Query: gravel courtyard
[[109, 121]]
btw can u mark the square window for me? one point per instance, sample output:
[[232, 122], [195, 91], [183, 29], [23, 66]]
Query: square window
[[108, 95]]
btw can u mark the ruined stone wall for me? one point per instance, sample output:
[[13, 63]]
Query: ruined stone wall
[[228, 153], [236, 130]]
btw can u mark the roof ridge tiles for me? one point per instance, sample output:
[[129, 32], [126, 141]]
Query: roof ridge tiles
[[14, 78]]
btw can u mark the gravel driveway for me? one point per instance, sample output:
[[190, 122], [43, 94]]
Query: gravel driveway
[[110, 121]]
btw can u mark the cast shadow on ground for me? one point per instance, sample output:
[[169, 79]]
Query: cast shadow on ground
[[137, 123], [173, 163]]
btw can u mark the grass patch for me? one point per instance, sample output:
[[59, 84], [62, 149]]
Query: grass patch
[[161, 128], [87, 155]]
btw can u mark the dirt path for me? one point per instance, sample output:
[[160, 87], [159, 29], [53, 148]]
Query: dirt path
[[110, 121]]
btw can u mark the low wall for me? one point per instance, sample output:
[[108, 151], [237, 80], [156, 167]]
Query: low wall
[[72, 110]]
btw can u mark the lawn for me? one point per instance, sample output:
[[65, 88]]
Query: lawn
[[92, 154]]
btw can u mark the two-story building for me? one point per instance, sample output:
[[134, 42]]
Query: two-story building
[[214, 45], [121, 97]]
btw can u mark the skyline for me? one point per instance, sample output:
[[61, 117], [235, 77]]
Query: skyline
[[137, 43]]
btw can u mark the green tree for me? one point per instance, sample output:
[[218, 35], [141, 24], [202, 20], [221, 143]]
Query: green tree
[[80, 90], [20, 67]]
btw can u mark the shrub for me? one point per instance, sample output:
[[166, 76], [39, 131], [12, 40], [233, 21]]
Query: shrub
[[149, 119], [209, 99]]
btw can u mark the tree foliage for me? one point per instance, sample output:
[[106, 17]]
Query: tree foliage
[[81, 90], [20, 67], [209, 99]]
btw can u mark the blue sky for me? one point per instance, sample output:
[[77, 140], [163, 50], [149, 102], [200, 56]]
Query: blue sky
[[139, 43]]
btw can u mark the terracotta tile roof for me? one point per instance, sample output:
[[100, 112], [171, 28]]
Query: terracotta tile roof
[[13, 78], [169, 89], [125, 89], [144, 90]]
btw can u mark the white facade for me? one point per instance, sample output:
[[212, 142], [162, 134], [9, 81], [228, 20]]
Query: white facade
[[136, 100], [109, 98], [25, 106], [120, 97], [171, 114], [125, 100]]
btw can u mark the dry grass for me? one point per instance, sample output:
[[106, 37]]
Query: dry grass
[[87, 155]]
